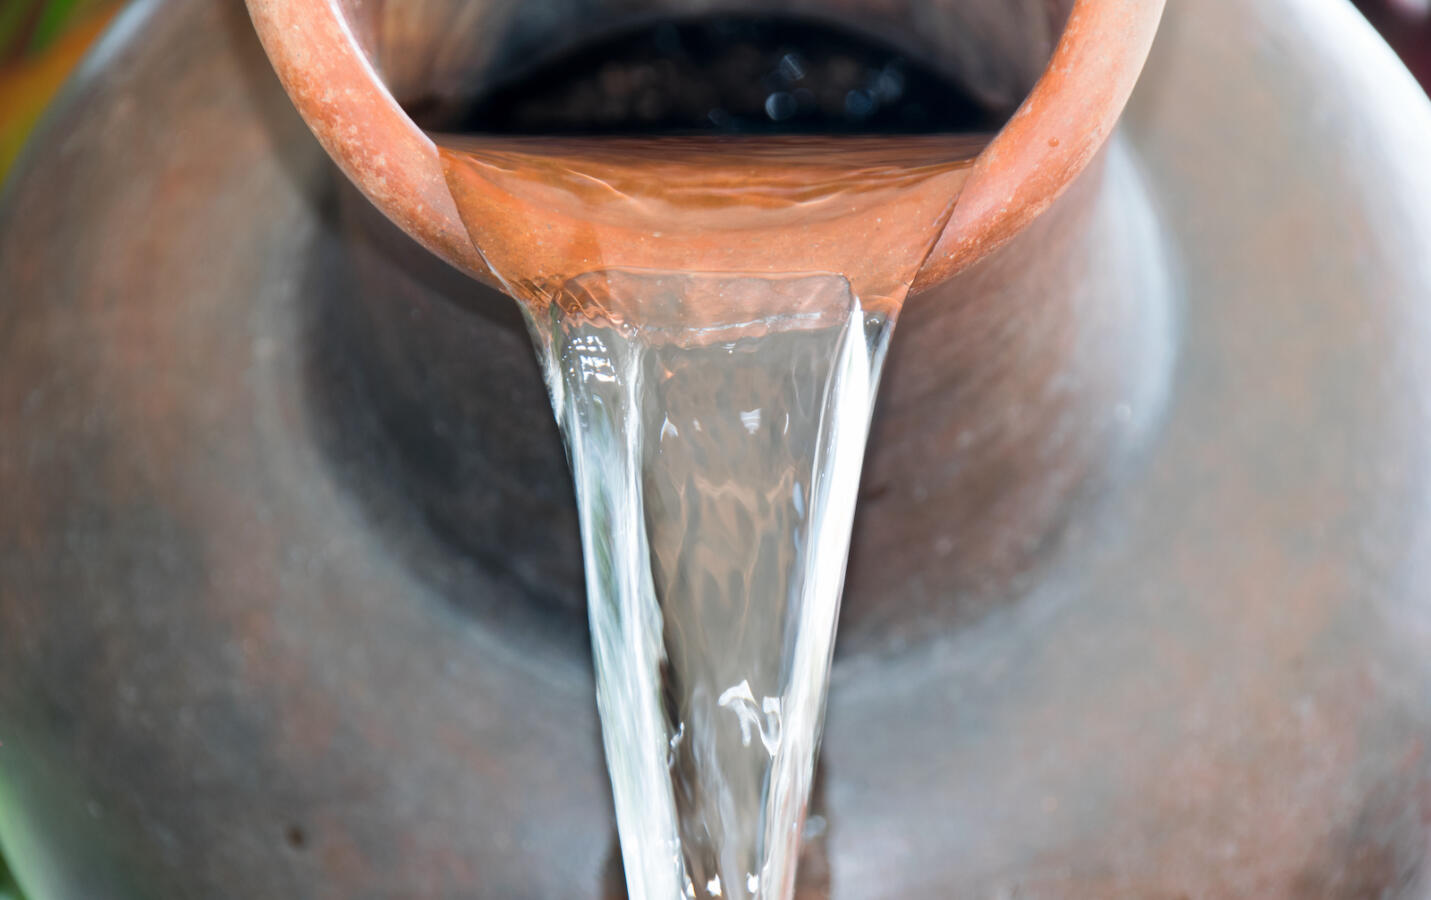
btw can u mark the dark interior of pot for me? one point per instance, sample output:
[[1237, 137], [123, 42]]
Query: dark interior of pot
[[437, 55]]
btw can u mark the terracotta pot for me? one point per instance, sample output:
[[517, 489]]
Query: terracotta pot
[[1136, 605], [349, 66]]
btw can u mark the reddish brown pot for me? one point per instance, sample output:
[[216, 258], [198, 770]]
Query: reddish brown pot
[[1137, 605]]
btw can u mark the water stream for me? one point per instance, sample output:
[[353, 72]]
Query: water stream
[[716, 469], [711, 316]]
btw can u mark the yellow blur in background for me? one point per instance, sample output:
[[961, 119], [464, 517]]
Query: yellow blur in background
[[40, 42]]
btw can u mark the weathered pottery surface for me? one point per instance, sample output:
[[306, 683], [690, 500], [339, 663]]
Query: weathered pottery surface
[[288, 609]]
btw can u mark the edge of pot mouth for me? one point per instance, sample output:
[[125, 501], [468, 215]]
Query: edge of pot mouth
[[328, 76], [1048, 141], [1053, 135]]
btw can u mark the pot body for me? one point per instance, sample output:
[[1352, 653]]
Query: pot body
[[1136, 606]]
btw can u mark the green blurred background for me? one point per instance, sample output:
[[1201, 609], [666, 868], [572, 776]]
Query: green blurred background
[[8, 891], [40, 42]]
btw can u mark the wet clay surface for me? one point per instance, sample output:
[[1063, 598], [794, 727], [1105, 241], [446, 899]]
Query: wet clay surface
[[543, 211], [715, 145]]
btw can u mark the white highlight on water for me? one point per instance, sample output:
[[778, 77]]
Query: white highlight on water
[[741, 701]]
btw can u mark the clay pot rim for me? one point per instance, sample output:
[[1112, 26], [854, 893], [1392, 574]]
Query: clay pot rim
[[1048, 141]]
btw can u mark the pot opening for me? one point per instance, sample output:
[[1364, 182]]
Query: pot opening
[[489, 66]]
